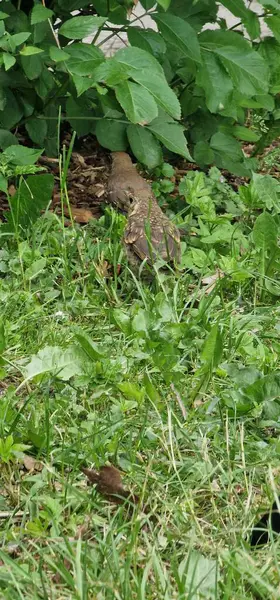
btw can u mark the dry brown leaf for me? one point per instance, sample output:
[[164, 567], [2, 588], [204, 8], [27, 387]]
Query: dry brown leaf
[[109, 484], [31, 464], [211, 281], [80, 215], [12, 190]]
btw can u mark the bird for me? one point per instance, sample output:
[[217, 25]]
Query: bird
[[149, 234]]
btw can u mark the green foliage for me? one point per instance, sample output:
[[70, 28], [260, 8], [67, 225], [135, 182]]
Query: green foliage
[[180, 87], [177, 383]]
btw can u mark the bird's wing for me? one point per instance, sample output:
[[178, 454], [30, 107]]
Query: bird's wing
[[154, 241]]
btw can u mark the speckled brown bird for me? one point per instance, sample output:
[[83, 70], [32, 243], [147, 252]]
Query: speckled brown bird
[[149, 234]]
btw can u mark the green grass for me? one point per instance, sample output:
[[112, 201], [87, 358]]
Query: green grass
[[176, 386]]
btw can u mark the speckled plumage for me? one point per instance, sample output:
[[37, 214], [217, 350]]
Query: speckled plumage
[[149, 234]]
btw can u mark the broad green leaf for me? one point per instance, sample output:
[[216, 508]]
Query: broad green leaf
[[40, 13], [91, 349], [160, 90], [21, 155], [221, 234], [78, 28], [37, 130], [82, 84], [111, 134], [144, 146], [171, 135], [264, 389], [44, 84], [179, 34], [227, 145], [135, 59], [271, 3], [64, 364], [265, 232], [84, 58], [122, 320], [32, 66], [30, 50], [3, 184], [245, 134], [137, 103], [267, 189], [213, 347], [164, 3], [110, 72], [274, 24], [246, 67], [79, 115], [215, 81], [35, 268], [249, 18], [22, 203], [149, 40], [12, 113], [18, 38], [58, 55], [203, 154], [9, 60], [131, 391], [3, 15], [201, 576]]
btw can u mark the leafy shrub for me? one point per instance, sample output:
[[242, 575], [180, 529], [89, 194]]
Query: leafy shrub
[[177, 85]]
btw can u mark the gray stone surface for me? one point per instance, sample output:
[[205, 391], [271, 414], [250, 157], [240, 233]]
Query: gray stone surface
[[119, 40]]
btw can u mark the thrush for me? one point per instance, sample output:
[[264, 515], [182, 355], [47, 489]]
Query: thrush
[[149, 234]]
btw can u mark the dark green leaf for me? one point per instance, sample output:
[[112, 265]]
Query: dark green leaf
[[245, 134], [58, 55], [40, 13], [160, 90], [2, 337], [144, 146], [274, 24], [179, 34], [137, 103], [12, 113], [213, 78], [227, 145], [135, 59], [203, 154], [78, 28], [25, 210], [111, 134], [32, 66], [147, 39], [37, 130], [246, 67], [171, 135], [79, 115], [7, 139], [9, 60], [84, 58]]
